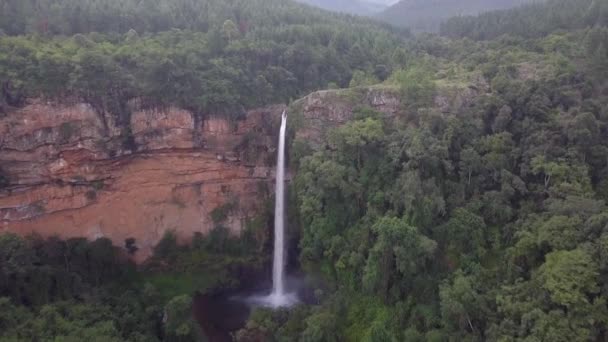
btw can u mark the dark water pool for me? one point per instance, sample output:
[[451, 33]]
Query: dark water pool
[[222, 314]]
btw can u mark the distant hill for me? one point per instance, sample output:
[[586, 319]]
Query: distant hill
[[532, 20], [358, 7], [427, 15]]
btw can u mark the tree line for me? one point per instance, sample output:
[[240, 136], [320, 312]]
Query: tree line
[[532, 20], [218, 57]]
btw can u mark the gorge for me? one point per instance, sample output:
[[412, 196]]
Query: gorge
[[173, 170]]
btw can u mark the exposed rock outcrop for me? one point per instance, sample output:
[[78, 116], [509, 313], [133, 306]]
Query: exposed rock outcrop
[[322, 111], [71, 177]]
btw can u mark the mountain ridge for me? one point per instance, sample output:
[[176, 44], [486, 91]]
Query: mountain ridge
[[422, 15], [356, 7]]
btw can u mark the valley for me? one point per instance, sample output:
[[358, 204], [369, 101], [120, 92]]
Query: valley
[[445, 185]]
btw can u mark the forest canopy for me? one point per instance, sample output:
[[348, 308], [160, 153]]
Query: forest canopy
[[206, 56]]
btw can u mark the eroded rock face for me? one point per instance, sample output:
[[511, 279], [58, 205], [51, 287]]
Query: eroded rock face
[[71, 176], [322, 111]]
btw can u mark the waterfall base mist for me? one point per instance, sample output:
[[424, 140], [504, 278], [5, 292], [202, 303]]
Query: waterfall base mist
[[274, 300]]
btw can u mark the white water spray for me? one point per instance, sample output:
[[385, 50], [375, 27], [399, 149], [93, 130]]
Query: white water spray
[[278, 262]]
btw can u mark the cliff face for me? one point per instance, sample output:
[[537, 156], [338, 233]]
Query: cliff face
[[71, 175]]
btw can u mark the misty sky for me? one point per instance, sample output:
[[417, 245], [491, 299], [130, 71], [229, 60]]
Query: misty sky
[[386, 2]]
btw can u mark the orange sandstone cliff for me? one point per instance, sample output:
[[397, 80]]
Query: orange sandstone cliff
[[72, 172]]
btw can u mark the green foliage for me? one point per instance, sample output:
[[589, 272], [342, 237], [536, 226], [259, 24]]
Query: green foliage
[[399, 247], [167, 248], [220, 214], [480, 220], [76, 289], [234, 55], [361, 79], [210, 261], [71, 290], [180, 325], [320, 327], [570, 277], [462, 306], [417, 86]]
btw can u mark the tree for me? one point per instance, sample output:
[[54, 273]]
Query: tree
[[320, 327], [229, 30], [570, 277], [180, 326], [462, 306], [361, 79], [417, 87], [398, 247], [470, 162], [561, 232], [465, 233], [167, 247]]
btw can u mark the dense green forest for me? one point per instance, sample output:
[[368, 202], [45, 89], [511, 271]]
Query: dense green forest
[[213, 57], [79, 290], [489, 223]]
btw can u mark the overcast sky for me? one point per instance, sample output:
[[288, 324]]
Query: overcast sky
[[386, 2]]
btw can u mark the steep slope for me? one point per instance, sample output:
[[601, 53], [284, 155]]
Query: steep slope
[[427, 15]]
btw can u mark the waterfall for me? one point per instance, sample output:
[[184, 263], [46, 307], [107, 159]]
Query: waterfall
[[280, 296], [278, 265]]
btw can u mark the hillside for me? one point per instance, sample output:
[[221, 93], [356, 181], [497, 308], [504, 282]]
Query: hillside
[[530, 20], [357, 7], [427, 15]]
